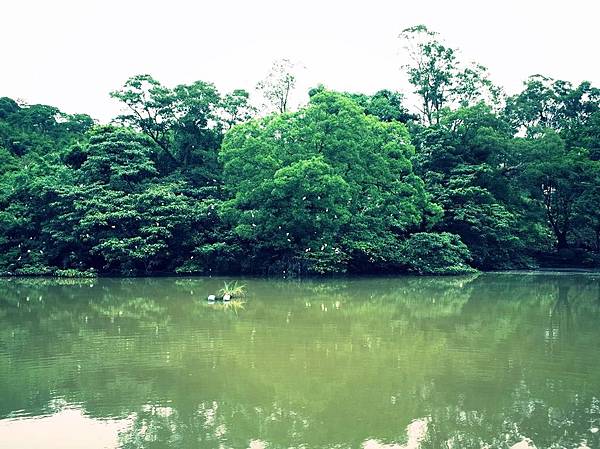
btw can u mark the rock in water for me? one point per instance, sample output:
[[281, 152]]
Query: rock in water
[[226, 297], [211, 297]]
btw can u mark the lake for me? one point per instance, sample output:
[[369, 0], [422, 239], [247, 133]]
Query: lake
[[485, 361]]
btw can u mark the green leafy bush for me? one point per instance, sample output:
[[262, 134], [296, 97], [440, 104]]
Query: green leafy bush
[[73, 273], [429, 253]]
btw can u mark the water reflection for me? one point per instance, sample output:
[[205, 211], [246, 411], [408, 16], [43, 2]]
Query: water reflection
[[67, 429], [364, 363]]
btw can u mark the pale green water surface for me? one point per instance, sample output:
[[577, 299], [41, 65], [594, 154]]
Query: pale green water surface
[[494, 360]]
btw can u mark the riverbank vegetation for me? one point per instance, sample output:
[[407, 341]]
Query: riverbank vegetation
[[193, 180]]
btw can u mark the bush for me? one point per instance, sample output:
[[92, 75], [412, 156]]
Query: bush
[[73, 273], [429, 253], [34, 270]]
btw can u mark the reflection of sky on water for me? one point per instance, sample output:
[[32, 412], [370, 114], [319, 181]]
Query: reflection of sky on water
[[72, 429], [67, 429], [415, 433]]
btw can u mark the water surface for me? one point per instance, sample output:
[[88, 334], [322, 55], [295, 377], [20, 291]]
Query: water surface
[[493, 360]]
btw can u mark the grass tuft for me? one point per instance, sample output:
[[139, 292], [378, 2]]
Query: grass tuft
[[233, 289]]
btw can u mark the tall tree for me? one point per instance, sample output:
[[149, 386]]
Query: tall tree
[[324, 188], [468, 162], [440, 78], [278, 85], [151, 109], [186, 121], [430, 70], [556, 104], [558, 178]]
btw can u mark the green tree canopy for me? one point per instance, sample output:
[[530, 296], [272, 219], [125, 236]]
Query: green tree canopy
[[325, 187]]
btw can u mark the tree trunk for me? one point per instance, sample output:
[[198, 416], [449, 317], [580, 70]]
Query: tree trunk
[[562, 240]]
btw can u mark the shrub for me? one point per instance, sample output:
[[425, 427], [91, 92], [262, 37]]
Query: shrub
[[429, 253], [74, 273]]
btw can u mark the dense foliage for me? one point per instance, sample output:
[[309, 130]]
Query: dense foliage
[[190, 180]]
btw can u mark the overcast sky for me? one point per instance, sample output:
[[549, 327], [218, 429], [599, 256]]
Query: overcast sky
[[72, 53]]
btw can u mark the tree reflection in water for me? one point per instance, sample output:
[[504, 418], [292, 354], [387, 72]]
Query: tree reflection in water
[[482, 360]]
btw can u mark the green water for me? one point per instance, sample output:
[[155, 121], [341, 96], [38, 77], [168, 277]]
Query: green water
[[469, 362]]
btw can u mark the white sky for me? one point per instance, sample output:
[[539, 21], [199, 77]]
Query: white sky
[[72, 53]]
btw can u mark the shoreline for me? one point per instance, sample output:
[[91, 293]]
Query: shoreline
[[536, 271]]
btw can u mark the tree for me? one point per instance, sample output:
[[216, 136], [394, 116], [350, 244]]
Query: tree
[[39, 129], [385, 104], [186, 121], [587, 210], [558, 155], [439, 78], [278, 85], [32, 146], [235, 108], [150, 109], [27, 197], [469, 164], [431, 69], [555, 104], [118, 157], [121, 215], [323, 189], [558, 178], [157, 111], [472, 85]]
